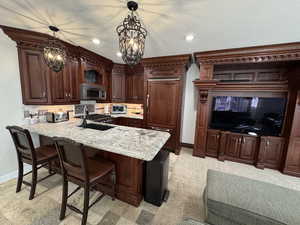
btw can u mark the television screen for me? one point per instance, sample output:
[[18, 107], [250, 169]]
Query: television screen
[[250, 115]]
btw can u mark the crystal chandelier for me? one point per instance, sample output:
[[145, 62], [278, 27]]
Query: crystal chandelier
[[132, 37], [55, 54]]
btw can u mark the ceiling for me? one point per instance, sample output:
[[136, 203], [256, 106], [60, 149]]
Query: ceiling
[[215, 24]]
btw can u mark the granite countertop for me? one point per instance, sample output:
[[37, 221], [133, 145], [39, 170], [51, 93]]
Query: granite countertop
[[137, 143]]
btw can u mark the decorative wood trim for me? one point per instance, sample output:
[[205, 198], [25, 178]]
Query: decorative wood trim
[[180, 60], [257, 54], [36, 40], [206, 71]]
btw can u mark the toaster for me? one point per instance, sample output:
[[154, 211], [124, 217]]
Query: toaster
[[57, 117]]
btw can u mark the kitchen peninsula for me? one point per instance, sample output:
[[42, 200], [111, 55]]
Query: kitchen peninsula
[[127, 147]]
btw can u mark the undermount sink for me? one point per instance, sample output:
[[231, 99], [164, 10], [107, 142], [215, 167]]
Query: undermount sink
[[98, 126]]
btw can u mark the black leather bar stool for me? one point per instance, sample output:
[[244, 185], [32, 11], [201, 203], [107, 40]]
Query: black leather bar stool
[[26, 153], [84, 171]]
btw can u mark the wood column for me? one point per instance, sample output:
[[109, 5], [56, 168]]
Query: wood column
[[202, 116], [292, 163]]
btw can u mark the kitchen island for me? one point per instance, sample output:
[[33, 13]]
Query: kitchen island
[[127, 147]]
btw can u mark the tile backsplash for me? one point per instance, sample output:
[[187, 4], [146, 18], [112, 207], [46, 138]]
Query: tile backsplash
[[42, 109]]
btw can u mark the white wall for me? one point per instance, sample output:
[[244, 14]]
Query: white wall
[[190, 106], [11, 112]]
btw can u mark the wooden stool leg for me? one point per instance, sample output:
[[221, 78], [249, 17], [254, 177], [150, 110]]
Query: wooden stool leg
[[86, 204], [20, 175], [113, 177], [49, 167], [64, 199], [34, 182]]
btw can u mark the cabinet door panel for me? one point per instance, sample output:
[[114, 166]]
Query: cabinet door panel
[[293, 158], [59, 86], [33, 76], [118, 91], [233, 145], [274, 150], [163, 103], [213, 142], [73, 81], [248, 148]]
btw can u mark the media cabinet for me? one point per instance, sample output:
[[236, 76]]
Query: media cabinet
[[263, 71]]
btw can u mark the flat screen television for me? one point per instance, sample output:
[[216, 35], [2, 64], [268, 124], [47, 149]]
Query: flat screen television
[[259, 116]]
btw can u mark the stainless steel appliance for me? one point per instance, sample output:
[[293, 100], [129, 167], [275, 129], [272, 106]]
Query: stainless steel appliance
[[56, 117], [80, 109], [119, 109], [92, 92]]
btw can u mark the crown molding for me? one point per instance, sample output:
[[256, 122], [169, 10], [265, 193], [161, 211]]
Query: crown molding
[[257, 54]]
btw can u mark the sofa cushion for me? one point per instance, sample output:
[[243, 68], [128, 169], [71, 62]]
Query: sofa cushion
[[234, 200]]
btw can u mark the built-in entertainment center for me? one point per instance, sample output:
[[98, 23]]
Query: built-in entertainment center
[[248, 106]]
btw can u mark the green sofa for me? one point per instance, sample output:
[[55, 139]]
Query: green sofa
[[235, 200]]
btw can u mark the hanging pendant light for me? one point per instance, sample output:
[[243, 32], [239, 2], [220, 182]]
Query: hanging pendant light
[[132, 37], [55, 54]]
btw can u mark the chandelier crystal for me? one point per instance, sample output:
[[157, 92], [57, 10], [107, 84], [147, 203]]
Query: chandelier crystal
[[132, 36], [54, 54]]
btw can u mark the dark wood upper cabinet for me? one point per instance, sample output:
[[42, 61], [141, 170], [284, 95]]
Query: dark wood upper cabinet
[[65, 84], [73, 81], [213, 142], [40, 85], [118, 88], [135, 84], [118, 83], [34, 77]]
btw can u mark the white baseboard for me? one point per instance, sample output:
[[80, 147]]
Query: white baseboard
[[14, 174]]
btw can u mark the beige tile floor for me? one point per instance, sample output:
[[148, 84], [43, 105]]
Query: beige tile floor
[[187, 180]]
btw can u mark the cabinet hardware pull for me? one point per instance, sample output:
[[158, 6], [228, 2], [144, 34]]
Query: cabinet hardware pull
[[268, 143], [44, 94], [243, 140], [69, 95], [66, 94], [148, 96], [218, 136]]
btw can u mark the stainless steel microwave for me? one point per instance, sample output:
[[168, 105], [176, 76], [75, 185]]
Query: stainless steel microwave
[[92, 92]]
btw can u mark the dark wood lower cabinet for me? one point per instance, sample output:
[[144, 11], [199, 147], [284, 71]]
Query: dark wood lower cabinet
[[213, 142], [245, 148], [129, 172], [270, 152], [249, 148], [233, 146], [130, 122]]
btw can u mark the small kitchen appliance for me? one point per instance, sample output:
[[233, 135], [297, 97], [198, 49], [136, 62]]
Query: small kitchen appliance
[[56, 117], [92, 92], [119, 109]]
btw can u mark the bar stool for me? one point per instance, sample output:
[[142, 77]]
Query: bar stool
[[37, 157], [84, 171]]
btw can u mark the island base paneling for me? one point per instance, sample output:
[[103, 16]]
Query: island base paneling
[[129, 172]]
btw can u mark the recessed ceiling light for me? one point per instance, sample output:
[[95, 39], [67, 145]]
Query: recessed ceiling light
[[189, 37], [96, 41], [119, 54]]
